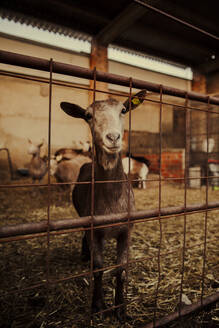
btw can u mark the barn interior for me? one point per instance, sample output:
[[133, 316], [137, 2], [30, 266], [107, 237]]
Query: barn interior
[[44, 281]]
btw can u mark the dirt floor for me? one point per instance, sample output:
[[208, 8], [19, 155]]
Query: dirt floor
[[27, 300]]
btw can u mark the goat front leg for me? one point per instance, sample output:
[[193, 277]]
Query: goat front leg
[[122, 248], [98, 297], [85, 252]]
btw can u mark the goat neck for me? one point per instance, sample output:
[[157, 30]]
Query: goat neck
[[109, 165]]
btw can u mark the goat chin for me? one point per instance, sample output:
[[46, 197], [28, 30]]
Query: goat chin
[[108, 160]]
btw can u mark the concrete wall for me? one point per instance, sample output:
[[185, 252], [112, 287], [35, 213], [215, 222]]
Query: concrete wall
[[24, 104]]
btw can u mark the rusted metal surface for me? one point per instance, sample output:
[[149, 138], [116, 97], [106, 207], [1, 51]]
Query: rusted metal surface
[[206, 213], [101, 220], [159, 209], [92, 203], [187, 149], [77, 71]]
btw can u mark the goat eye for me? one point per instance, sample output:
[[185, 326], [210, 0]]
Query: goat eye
[[123, 110], [88, 116]]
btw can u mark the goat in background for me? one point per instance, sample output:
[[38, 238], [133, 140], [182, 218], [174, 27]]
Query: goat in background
[[66, 168], [37, 165], [139, 168]]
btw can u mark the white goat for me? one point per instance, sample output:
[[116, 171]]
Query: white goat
[[106, 119], [214, 171], [70, 153], [139, 168], [37, 165]]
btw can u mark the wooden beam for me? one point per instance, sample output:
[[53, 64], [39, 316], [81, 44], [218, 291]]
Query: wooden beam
[[199, 82], [98, 59], [121, 22]]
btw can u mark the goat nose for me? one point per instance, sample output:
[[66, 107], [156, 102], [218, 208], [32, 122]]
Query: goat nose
[[113, 137]]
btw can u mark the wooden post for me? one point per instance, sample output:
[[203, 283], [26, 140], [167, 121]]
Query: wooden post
[[199, 83], [199, 118], [199, 125], [98, 59]]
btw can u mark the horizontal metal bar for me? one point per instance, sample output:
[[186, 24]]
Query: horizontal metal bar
[[74, 85], [85, 222], [184, 311], [77, 71], [54, 184]]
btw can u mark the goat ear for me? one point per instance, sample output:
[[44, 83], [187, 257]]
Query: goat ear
[[40, 144], [73, 110], [136, 100], [29, 141]]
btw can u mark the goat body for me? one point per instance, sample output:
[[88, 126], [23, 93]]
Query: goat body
[[68, 170], [106, 120], [66, 153]]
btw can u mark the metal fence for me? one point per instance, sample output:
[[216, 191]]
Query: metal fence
[[50, 227]]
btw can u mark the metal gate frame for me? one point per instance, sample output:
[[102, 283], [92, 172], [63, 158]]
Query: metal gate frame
[[48, 227]]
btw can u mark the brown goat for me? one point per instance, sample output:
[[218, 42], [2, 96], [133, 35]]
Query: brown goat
[[68, 170], [106, 119]]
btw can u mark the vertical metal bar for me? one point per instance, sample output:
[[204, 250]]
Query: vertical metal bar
[[129, 144], [49, 187], [206, 212], [92, 200], [159, 205], [187, 147], [129, 190]]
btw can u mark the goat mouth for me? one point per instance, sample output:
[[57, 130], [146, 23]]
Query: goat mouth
[[112, 149]]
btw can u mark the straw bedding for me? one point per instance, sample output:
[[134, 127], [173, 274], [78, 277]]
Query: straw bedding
[[65, 303]]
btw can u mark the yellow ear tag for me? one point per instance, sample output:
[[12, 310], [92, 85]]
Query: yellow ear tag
[[136, 101], [59, 158]]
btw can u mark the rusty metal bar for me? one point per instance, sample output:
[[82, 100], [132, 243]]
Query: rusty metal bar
[[159, 206], [75, 86], [129, 194], [92, 202], [30, 185], [79, 229], [206, 213], [184, 311], [77, 71], [186, 171], [30, 228], [49, 192]]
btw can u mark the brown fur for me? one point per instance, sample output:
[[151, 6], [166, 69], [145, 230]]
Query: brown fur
[[107, 124]]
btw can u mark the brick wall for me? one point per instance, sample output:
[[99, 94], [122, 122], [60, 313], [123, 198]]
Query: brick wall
[[172, 162]]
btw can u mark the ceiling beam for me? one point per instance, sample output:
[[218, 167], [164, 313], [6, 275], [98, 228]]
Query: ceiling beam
[[120, 23]]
